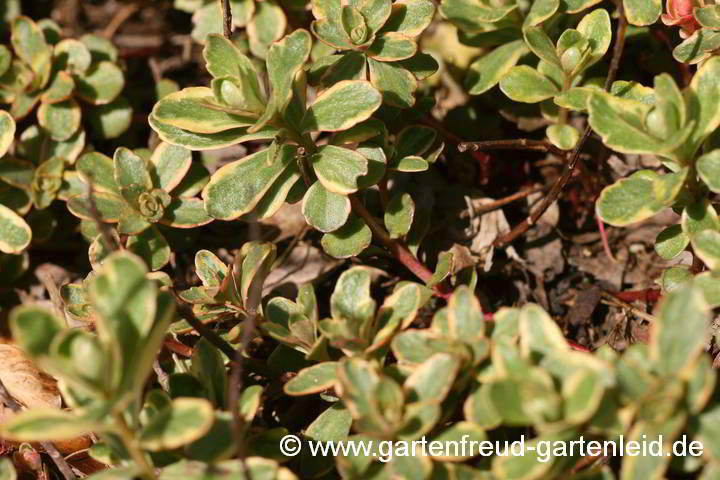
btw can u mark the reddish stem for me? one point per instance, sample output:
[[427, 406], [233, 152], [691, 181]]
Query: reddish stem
[[177, 347], [650, 295], [397, 248], [603, 235]]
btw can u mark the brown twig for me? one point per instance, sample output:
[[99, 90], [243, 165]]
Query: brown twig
[[518, 144], [398, 249], [219, 342], [125, 12], [227, 18], [614, 301], [55, 455], [236, 385], [494, 205], [574, 155], [481, 158]]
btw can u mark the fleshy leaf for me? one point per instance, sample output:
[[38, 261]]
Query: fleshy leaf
[[44, 424], [639, 196], [675, 345], [488, 70], [196, 110], [708, 16], [15, 234], [312, 379], [267, 26], [396, 84], [671, 242], [473, 15], [349, 240], [236, 188], [595, 26], [621, 124], [324, 210], [168, 165], [410, 17], [60, 119], [341, 106], [151, 246], [706, 245], [564, 137], [7, 132], [399, 215], [101, 84], [180, 423], [284, 59], [339, 169], [525, 84], [392, 47]]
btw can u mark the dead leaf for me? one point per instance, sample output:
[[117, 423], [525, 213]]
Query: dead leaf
[[286, 223], [304, 264], [584, 306], [484, 229], [26, 383]]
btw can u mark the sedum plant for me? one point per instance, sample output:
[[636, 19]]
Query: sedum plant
[[168, 377], [516, 372], [61, 78], [230, 291], [264, 22], [562, 63], [677, 127], [698, 24], [138, 191], [326, 176], [375, 41]]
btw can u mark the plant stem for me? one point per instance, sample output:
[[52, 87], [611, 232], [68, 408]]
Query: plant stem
[[227, 18], [518, 144], [603, 235], [398, 249], [489, 207], [128, 439], [574, 155], [562, 111]]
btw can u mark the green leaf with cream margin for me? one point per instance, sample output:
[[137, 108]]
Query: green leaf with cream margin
[[639, 196], [525, 84], [708, 168], [642, 12], [196, 109], [706, 245], [703, 105], [339, 169], [674, 344], [7, 132], [342, 106], [326, 211], [284, 60], [47, 425], [622, 125], [223, 59], [180, 423], [15, 234], [236, 188]]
